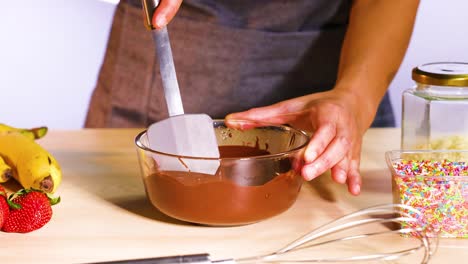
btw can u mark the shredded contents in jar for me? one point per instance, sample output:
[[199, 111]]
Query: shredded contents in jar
[[452, 142]]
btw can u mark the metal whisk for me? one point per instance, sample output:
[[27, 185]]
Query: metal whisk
[[408, 222], [406, 219]]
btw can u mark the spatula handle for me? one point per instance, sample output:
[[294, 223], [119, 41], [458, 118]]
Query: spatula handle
[[182, 259], [166, 62], [168, 73]]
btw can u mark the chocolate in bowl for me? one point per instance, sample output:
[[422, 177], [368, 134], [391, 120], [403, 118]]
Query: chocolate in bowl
[[258, 177]]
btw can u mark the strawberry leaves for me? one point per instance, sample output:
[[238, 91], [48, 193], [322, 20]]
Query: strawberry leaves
[[13, 205], [30, 209]]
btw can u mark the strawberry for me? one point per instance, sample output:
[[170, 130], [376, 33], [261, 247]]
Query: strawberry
[[30, 210], [4, 208]]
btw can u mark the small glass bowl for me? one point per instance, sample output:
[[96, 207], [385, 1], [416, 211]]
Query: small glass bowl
[[435, 182]]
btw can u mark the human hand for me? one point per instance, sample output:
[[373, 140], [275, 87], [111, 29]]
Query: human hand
[[164, 13], [338, 120]]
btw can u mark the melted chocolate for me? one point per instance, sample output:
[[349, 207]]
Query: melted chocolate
[[241, 151], [230, 197]]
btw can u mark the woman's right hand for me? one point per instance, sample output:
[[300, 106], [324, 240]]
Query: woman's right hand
[[165, 11]]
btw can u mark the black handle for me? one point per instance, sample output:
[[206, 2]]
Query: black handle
[[181, 259], [148, 10]]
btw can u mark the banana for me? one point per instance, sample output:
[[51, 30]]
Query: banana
[[5, 171], [32, 165], [32, 133]]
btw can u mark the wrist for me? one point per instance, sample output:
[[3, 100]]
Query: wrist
[[370, 89], [366, 100]]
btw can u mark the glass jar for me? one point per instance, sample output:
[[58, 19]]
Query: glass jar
[[435, 110]]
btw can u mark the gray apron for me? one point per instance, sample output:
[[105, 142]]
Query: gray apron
[[229, 56]]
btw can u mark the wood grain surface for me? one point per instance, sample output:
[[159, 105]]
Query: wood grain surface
[[104, 214]]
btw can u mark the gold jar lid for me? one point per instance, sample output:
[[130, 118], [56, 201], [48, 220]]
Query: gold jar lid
[[442, 74]]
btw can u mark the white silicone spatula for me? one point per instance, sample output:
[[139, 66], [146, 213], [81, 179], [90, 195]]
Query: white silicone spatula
[[180, 134]]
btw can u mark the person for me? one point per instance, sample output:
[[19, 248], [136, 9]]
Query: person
[[322, 66]]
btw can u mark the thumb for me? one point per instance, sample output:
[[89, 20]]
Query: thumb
[[164, 12]]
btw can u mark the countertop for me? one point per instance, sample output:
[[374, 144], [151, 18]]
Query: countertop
[[104, 214]]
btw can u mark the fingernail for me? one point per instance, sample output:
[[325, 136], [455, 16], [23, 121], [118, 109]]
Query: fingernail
[[310, 172], [356, 189], [310, 156], [160, 22], [341, 176]]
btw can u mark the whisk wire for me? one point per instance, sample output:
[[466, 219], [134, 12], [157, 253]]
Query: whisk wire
[[401, 214]]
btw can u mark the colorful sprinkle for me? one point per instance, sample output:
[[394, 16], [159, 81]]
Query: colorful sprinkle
[[439, 189]]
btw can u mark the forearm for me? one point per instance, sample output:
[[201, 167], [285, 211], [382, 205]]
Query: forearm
[[375, 44]]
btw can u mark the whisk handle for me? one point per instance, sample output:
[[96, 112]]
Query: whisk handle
[[180, 259]]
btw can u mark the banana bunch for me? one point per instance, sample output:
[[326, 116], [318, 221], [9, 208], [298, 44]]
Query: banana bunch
[[22, 158], [5, 171], [31, 133]]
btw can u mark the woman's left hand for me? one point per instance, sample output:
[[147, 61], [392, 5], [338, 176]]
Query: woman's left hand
[[338, 120]]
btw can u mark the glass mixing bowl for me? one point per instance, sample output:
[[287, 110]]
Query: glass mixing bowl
[[258, 175]]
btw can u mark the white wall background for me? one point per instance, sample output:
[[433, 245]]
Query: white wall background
[[51, 52], [440, 34]]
